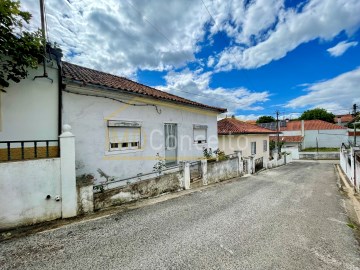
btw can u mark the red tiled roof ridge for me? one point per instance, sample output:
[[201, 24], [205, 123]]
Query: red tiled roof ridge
[[142, 88], [310, 125], [235, 126], [294, 138]]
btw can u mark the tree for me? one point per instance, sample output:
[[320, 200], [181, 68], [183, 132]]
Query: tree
[[265, 119], [19, 49], [318, 114]]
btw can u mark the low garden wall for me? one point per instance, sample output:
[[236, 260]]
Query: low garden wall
[[175, 179], [223, 170], [143, 189], [319, 155]]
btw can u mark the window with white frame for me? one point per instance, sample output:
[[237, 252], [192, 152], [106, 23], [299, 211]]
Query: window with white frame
[[124, 135], [200, 134], [265, 143], [253, 148]]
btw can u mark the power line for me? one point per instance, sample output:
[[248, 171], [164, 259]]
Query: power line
[[153, 26], [208, 11]]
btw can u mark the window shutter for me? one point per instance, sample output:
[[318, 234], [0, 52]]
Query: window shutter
[[124, 134], [199, 134]]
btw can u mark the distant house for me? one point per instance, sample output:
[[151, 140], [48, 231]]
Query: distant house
[[121, 125], [251, 140], [289, 141], [343, 119], [311, 133]]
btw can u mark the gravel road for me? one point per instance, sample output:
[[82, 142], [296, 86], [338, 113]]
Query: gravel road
[[291, 217]]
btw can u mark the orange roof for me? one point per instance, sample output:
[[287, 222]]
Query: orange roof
[[352, 133], [234, 126], [344, 118], [287, 138], [253, 122], [85, 75], [310, 125]]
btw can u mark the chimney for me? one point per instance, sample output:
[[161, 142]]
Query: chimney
[[339, 120], [302, 128]]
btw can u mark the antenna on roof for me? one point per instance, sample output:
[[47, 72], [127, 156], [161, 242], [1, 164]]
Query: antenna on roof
[[42, 14]]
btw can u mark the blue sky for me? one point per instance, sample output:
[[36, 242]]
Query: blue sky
[[253, 57]]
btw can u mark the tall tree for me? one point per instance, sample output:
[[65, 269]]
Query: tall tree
[[265, 119], [318, 114], [19, 48]]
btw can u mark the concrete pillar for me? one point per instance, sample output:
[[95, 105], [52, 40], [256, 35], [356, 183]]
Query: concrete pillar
[[251, 165], [204, 172], [186, 175], [240, 162], [68, 176]]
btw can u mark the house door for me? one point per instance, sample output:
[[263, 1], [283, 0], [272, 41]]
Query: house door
[[171, 144]]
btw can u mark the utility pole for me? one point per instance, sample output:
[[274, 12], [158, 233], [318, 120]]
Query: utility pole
[[355, 114], [278, 131]]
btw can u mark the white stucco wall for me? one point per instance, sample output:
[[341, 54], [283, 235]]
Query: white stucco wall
[[24, 186], [29, 109], [88, 117], [325, 138], [231, 143], [291, 133]]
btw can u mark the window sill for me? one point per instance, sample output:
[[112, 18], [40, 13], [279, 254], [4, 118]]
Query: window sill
[[119, 152]]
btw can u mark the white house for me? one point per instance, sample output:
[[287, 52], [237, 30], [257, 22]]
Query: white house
[[36, 183], [29, 113], [311, 133], [251, 140], [123, 127]]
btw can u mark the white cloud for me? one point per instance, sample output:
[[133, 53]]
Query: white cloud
[[336, 94], [123, 36], [340, 48], [195, 86], [211, 61], [317, 19]]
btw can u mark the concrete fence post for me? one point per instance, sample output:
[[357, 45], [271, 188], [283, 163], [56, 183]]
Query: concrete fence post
[[186, 175], [204, 172], [68, 176], [251, 165], [240, 162]]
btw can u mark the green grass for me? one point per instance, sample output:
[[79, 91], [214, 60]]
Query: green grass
[[321, 149]]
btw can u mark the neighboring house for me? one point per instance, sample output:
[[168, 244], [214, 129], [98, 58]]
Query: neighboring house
[[36, 183], [289, 141], [343, 119], [291, 144], [29, 116], [121, 125], [315, 133], [251, 140]]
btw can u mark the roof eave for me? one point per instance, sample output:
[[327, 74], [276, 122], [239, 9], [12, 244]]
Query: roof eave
[[205, 107]]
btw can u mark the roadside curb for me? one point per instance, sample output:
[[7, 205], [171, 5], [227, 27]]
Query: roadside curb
[[350, 192]]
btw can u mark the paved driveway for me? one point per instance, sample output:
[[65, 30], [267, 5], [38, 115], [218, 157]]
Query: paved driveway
[[285, 218]]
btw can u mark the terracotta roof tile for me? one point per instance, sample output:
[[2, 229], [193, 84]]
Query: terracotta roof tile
[[310, 125], [345, 118], [235, 126], [287, 138], [85, 75], [253, 122]]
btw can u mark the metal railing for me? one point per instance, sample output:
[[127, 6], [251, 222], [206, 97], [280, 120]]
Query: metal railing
[[12, 149]]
